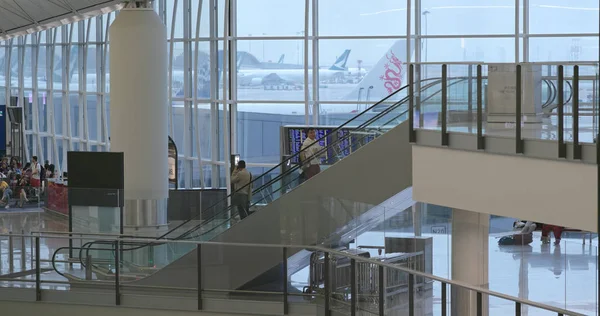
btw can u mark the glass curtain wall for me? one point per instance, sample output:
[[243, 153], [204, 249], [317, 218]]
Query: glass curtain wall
[[239, 70]]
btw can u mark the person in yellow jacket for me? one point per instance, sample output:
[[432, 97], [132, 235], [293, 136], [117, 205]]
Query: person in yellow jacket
[[6, 193]]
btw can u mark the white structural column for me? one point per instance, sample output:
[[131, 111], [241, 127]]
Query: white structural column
[[138, 113], [470, 246]]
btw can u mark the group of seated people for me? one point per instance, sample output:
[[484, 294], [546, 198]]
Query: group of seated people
[[18, 181]]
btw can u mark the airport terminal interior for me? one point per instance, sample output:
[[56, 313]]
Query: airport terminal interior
[[299, 157]]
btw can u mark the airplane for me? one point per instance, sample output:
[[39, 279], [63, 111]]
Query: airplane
[[257, 77]]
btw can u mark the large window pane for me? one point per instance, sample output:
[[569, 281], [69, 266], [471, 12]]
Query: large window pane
[[91, 77], [74, 114], [176, 8], [271, 70], [28, 66], [359, 17], [179, 126], [178, 69], [43, 115], [73, 76], [92, 117], [458, 17], [204, 18], [277, 18], [559, 17], [259, 129], [490, 50], [360, 70], [204, 131], [58, 113], [563, 49], [203, 69]]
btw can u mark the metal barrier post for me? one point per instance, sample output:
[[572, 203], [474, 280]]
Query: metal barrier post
[[412, 136], [285, 281], [411, 295], [327, 284], [31, 250], [480, 139], [479, 304], [576, 145], [199, 259], [117, 274], [444, 115], [444, 299], [88, 267], [38, 270], [518, 137], [11, 254], [517, 309], [381, 289], [353, 289], [23, 252], [562, 147], [470, 97]]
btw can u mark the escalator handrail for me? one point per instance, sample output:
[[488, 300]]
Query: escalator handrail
[[374, 118], [388, 110], [297, 166]]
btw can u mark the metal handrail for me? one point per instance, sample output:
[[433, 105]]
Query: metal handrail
[[324, 250]]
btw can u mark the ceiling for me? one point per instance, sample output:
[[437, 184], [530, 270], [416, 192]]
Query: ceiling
[[18, 17]]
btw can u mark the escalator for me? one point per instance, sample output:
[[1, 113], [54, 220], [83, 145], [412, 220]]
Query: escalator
[[286, 211]]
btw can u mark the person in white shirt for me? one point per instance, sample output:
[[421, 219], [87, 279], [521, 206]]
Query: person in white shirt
[[311, 152], [241, 179]]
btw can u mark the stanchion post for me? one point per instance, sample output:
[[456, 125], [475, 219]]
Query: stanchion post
[[444, 115], [576, 145], [519, 92], [285, 281], [199, 272], [38, 270], [480, 139], [412, 135], [117, 273], [11, 253], [562, 147]]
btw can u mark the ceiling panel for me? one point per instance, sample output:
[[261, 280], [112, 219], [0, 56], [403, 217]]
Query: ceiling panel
[[18, 17]]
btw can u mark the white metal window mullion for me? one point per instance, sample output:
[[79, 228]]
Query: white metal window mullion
[[51, 50], [214, 94], [307, 102], [525, 57], [99, 96], [102, 85], [195, 94], [35, 40], [517, 31], [187, 90], [170, 77], [21, 91], [315, 63], [225, 63], [84, 128], [233, 81], [66, 60]]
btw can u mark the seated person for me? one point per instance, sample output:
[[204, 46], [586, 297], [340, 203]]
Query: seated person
[[6, 194]]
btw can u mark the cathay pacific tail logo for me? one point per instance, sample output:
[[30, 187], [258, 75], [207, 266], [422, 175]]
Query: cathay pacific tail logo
[[392, 77]]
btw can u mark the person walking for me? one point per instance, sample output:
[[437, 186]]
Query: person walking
[[310, 154], [241, 179]]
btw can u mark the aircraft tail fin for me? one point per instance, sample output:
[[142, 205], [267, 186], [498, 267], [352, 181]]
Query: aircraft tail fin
[[340, 63], [386, 77]]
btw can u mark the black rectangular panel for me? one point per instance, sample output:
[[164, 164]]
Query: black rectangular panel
[[95, 178]]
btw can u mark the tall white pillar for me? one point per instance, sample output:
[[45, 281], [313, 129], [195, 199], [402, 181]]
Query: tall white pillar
[[470, 252], [139, 113]]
